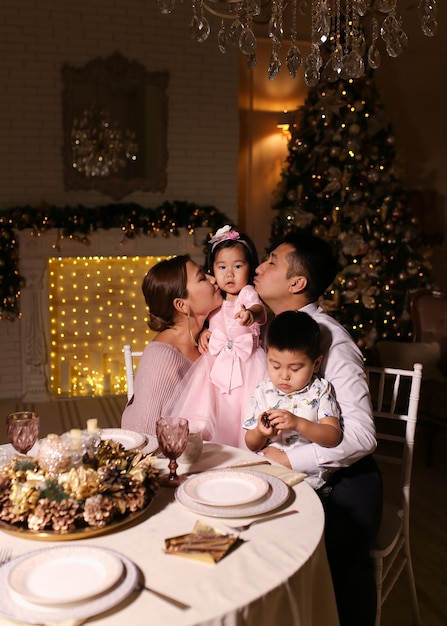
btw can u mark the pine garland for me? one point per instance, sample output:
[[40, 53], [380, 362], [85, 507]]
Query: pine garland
[[78, 222]]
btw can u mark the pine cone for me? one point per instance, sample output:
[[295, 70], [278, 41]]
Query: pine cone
[[5, 487], [60, 516], [98, 510], [9, 514]]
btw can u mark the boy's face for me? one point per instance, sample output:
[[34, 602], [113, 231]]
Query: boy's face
[[290, 371]]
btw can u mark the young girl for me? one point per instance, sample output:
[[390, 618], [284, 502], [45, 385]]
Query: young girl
[[216, 392]]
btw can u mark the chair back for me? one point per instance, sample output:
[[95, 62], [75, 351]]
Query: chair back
[[428, 310], [395, 400], [129, 356]]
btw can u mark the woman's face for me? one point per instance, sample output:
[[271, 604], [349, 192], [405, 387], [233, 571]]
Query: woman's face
[[203, 293]]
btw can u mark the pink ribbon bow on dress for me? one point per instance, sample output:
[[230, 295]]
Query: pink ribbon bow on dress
[[226, 372]]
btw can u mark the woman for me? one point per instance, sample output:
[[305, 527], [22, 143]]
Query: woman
[[180, 297]]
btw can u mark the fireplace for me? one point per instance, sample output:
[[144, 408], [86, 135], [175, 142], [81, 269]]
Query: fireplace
[[53, 363]]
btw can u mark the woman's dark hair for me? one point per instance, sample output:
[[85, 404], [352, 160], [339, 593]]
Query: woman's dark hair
[[312, 258], [163, 283], [250, 253], [295, 331]]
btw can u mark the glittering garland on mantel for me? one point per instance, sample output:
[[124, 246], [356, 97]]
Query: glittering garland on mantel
[[80, 221]]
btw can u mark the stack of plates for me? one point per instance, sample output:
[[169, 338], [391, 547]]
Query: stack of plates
[[130, 439], [73, 582], [232, 493]]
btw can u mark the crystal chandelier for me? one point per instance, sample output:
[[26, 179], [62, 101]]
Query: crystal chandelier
[[99, 146], [345, 34]]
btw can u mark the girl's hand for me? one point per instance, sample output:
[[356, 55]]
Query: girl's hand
[[204, 339], [246, 316]]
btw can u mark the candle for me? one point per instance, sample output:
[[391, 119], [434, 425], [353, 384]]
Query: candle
[[92, 425], [65, 376]]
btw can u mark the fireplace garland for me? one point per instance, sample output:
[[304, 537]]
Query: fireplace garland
[[79, 221]]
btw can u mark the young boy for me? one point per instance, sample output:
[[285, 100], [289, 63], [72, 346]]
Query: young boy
[[293, 406]]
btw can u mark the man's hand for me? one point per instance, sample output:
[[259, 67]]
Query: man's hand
[[276, 455]]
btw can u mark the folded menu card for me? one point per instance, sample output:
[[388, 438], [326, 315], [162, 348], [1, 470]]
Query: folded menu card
[[204, 543]]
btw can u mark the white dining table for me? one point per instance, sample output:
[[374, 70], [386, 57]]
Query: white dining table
[[278, 575]]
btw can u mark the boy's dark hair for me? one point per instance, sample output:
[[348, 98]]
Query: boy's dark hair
[[295, 331], [250, 253], [313, 257]]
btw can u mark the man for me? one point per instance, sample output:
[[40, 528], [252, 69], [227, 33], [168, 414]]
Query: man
[[295, 275]]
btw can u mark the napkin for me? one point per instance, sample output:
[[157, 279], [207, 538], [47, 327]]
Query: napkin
[[289, 476], [204, 543]]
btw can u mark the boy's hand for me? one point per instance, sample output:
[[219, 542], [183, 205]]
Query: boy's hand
[[264, 426], [283, 420]]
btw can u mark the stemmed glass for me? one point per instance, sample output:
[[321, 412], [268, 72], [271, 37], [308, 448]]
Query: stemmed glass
[[23, 430], [172, 434]]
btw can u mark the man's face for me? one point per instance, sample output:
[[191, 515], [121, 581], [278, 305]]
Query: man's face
[[270, 281]]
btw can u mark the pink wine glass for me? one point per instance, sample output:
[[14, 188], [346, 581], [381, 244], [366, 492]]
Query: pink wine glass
[[172, 434], [23, 430]]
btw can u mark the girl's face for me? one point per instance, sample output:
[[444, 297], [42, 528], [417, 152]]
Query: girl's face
[[290, 371], [203, 293], [231, 270]]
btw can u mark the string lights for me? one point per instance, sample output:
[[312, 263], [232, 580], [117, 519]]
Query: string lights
[[96, 306]]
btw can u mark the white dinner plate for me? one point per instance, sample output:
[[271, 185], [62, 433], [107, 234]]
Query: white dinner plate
[[65, 575], [129, 439], [222, 488], [14, 607], [151, 445], [276, 496]]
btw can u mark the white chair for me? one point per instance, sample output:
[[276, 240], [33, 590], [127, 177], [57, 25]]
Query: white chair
[[395, 397], [129, 356]]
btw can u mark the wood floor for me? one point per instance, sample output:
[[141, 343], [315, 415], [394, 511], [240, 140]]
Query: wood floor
[[428, 505]]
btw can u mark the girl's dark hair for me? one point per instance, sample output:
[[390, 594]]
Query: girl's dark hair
[[163, 283], [295, 331], [250, 253]]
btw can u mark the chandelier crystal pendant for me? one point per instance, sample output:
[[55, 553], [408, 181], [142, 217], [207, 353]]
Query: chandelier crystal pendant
[[100, 147], [345, 34]]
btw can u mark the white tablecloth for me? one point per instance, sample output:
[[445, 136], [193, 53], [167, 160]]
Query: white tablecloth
[[278, 576]]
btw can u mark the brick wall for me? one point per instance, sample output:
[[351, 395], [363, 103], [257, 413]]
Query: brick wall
[[37, 37]]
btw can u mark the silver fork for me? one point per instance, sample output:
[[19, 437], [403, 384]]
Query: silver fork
[[5, 555], [240, 529]]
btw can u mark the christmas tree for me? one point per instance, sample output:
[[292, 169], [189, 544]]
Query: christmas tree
[[341, 182]]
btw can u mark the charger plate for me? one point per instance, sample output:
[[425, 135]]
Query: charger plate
[[14, 607], [276, 495], [65, 575]]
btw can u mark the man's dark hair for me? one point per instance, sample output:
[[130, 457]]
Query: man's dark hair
[[312, 258], [295, 331]]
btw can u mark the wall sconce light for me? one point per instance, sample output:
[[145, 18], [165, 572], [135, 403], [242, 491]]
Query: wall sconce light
[[285, 121]]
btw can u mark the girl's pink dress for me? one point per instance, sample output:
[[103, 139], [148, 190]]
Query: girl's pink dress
[[216, 391]]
